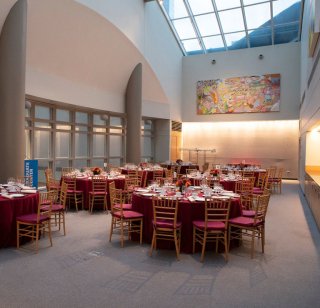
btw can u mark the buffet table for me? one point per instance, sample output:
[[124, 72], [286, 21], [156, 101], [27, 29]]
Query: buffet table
[[187, 212], [9, 210]]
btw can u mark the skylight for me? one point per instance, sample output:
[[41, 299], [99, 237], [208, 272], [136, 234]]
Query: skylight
[[203, 26]]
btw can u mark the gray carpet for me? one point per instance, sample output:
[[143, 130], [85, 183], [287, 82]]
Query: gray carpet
[[84, 270]]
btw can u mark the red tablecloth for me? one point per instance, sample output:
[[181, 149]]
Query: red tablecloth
[[9, 210], [187, 212], [85, 185]]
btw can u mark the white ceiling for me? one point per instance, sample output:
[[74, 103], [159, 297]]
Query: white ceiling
[[67, 39]]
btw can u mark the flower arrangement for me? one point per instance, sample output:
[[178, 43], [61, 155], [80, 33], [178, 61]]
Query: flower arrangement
[[215, 172], [183, 183], [96, 170]]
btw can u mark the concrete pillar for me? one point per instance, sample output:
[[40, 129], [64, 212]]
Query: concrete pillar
[[12, 91], [133, 111]]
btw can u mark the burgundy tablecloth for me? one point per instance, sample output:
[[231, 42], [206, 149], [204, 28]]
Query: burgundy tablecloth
[[187, 212], [9, 210], [85, 185]]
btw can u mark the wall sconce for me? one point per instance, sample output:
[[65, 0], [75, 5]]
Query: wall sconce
[[213, 61], [261, 57]]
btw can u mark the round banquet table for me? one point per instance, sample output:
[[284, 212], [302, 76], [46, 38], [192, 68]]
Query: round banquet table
[[9, 210], [183, 168], [187, 212], [85, 185]]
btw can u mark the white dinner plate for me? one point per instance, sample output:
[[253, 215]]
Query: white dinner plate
[[16, 195], [148, 194]]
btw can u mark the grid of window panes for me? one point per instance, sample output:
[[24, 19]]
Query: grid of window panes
[[203, 26], [60, 137], [147, 140]]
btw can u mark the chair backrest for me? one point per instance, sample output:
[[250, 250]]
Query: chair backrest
[[279, 173], [99, 184], [67, 170], [44, 204], [116, 198], [247, 173], [272, 172], [168, 173], [262, 176], [132, 173], [70, 180], [63, 194], [261, 208], [244, 186], [165, 210], [157, 174], [217, 210], [131, 183]]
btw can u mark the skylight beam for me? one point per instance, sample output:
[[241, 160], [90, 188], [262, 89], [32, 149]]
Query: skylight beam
[[219, 24], [245, 23], [194, 24], [272, 23], [171, 26]]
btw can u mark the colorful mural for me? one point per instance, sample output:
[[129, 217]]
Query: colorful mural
[[239, 94]]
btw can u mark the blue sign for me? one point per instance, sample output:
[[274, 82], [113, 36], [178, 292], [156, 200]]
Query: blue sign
[[31, 169]]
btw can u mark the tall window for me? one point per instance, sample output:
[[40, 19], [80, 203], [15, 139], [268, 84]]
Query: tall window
[[147, 140], [59, 136]]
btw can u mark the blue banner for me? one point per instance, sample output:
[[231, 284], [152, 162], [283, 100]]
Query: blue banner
[[31, 169]]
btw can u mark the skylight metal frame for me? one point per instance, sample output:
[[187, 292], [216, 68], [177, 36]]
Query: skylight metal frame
[[249, 34]]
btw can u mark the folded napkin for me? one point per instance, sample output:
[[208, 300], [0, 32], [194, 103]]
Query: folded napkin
[[7, 196], [28, 191], [191, 199]]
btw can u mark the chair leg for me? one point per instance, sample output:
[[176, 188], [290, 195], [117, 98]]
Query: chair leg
[[49, 232], [18, 235], [152, 242], [204, 242], [37, 237], [194, 240], [262, 239], [141, 228], [176, 244], [226, 246], [252, 245], [111, 229], [121, 233]]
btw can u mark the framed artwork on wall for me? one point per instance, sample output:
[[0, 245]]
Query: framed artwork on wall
[[239, 95]]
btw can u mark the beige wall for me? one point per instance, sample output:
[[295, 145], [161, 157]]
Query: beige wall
[[262, 142]]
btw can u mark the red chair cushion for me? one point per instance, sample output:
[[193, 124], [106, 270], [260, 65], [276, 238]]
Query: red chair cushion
[[54, 208], [128, 214], [244, 221], [69, 191], [125, 206], [166, 224], [32, 218], [99, 193], [212, 225], [248, 213], [257, 191]]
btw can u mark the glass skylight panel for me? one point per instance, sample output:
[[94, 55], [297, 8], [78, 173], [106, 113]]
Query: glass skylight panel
[[175, 9], [248, 2], [281, 5], [260, 37], [232, 20], [257, 15], [184, 28], [213, 42], [238, 40], [191, 45], [207, 24], [227, 4], [201, 7]]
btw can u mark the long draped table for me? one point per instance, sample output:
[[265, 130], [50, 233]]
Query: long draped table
[[9, 210], [187, 212]]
